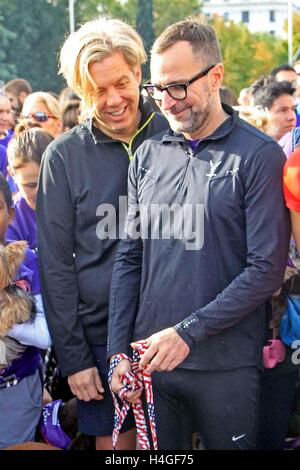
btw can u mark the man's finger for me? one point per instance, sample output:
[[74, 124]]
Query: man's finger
[[98, 384], [136, 344], [148, 356], [98, 397], [156, 362], [116, 383], [167, 364]]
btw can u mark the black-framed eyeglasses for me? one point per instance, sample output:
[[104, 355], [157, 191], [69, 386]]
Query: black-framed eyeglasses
[[177, 91]]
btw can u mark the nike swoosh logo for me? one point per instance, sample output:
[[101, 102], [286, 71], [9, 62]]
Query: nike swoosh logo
[[238, 437]]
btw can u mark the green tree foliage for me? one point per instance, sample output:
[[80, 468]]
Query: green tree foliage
[[7, 70], [32, 31], [92, 8], [296, 35], [238, 49], [166, 13], [38, 29], [144, 21], [246, 56], [149, 17], [144, 25], [269, 53]]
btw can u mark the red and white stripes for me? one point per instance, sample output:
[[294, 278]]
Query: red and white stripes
[[137, 379]]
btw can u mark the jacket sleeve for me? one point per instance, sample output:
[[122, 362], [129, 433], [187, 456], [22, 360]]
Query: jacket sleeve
[[34, 333], [267, 228], [126, 278], [55, 220]]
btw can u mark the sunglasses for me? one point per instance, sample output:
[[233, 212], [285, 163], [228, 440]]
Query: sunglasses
[[40, 116]]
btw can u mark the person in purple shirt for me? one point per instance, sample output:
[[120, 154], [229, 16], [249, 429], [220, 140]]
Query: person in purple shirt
[[5, 138], [3, 160], [24, 157], [21, 387], [5, 119]]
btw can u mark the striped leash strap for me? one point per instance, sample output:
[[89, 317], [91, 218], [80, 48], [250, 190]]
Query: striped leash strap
[[137, 379]]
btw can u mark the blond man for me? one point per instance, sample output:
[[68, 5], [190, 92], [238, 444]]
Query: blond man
[[83, 174]]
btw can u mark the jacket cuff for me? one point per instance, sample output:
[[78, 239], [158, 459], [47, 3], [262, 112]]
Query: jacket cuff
[[190, 330], [66, 371], [117, 350]]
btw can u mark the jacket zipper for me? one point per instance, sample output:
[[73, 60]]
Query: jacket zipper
[[187, 164], [128, 147]]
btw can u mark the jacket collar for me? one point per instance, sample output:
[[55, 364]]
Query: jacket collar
[[100, 137], [221, 131]]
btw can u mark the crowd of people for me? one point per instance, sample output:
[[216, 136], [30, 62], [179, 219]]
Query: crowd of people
[[156, 215]]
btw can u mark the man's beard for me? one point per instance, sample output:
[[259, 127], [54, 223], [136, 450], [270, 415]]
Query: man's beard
[[194, 121], [192, 124]]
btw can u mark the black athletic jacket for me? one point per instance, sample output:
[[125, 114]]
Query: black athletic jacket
[[214, 292], [81, 170]]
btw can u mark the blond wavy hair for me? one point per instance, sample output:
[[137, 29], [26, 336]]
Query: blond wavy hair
[[255, 115], [93, 42]]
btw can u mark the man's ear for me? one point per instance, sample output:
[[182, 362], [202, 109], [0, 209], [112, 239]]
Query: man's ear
[[216, 76], [59, 125], [138, 74]]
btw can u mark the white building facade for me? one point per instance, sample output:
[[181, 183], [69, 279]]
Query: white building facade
[[266, 16]]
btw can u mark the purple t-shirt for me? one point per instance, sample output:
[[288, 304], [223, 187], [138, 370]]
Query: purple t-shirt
[[24, 225], [24, 228], [8, 135], [29, 272], [193, 143], [3, 160]]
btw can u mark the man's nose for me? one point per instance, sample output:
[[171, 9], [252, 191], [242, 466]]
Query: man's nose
[[167, 102], [113, 97], [292, 115]]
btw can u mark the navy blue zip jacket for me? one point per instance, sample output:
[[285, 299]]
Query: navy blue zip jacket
[[211, 283], [81, 170]]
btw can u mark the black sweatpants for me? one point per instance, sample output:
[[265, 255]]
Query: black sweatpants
[[221, 405], [276, 399]]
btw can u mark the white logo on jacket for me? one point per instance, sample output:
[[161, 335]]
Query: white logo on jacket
[[213, 167]]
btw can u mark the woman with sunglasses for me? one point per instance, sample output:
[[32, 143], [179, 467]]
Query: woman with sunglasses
[[43, 108], [24, 158]]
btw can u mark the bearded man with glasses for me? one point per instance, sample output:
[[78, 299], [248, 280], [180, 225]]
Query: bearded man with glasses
[[199, 306]]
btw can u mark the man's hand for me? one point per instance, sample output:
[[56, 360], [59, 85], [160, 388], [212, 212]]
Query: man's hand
[[165, 352], [122, 368], [86, 385]]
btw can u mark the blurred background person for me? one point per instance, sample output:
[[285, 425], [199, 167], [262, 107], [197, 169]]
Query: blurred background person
[[17, 90], [245, 97], [70, 114], [285, 73], [5, 119], [44, 108], [25, 152], [228, 96], [277, 98]]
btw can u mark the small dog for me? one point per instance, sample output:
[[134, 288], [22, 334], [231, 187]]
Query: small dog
[[16, 305]]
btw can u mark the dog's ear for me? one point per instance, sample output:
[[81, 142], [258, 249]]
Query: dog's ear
[[5, 277], [15, 253]]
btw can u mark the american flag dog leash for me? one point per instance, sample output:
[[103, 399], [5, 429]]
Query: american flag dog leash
[[137, 379]]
